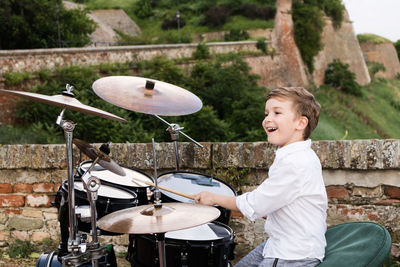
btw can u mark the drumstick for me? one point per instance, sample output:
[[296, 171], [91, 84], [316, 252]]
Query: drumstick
[[169, 190]]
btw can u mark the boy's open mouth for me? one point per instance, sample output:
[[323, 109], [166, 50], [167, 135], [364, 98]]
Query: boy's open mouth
[[271, 129]]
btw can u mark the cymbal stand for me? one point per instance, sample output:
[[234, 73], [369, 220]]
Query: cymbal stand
[[160, 237], [175, 130]]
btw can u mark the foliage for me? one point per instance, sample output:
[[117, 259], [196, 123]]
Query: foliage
[[12, 78], [397, 46], [371, 38], [33, 24], [333, 9], [223, 80], [173, 23], [142, 9], [262, 45], [374, 67], [236, 35], [20, 249], [339, 76], [216, 16], [254, 11], [308, 25], [202, 51]]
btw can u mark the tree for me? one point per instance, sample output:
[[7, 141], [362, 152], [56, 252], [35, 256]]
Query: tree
[[28, 24]]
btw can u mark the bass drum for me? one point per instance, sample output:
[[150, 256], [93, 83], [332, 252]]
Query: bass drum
[[208, 245], [193, 183], [51, 259], [133, 180]]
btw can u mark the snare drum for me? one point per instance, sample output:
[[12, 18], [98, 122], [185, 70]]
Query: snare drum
[[130, 181], [193, 183], [208, 245], [110, 198]]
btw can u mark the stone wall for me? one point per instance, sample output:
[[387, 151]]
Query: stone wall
[[362, 179], [384, 53]]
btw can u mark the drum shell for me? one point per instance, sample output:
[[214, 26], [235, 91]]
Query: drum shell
[[104, 205], [141, 192], [225, 213], [191, 253]]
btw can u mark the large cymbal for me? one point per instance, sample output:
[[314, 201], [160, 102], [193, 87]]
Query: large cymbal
[[147, 219], [147, 95], [104, 160], [65, 101]]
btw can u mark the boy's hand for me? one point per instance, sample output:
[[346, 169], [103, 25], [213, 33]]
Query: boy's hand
[[205, 198]]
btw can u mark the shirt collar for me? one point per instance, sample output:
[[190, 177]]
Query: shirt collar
[[293, 147]]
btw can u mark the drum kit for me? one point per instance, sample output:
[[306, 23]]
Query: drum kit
[[165, 226]]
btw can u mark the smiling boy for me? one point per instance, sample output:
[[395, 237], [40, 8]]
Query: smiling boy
[[293, 198]]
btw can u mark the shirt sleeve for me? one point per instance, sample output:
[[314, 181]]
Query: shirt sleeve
[[281, 188]]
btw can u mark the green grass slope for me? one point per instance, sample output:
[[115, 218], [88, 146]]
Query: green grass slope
[[374, 115]]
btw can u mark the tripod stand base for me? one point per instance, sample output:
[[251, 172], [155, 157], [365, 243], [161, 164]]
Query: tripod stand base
[[51, 259]]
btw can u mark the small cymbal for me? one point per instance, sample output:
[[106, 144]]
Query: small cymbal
[[146, 219], [147, 95], [65, 101], [104, 160]]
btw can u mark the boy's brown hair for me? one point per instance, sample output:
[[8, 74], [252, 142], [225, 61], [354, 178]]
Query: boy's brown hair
[[304, 104]]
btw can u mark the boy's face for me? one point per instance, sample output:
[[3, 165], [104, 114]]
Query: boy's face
[[282, 124]]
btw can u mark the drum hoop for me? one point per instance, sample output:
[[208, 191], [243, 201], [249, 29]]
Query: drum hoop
[[80, 172], [199, 173], [230, 237], [127, 190]]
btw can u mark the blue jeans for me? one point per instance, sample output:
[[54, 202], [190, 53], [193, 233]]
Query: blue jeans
[[256, 259]]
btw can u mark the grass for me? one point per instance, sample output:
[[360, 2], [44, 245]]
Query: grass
[[374, 115], [372, 38]]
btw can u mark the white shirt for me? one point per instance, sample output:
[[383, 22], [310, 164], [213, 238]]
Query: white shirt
[[294, 200]]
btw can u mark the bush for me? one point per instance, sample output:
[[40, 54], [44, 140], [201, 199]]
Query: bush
[[308, 25], [173, 23], [397, 46], [236, 35], [374, 67], [217, 15], [20, 249], [371, 38], [339, 76], [143, 9], [261, 45], [253, 12], [202, 51], [334, 9]]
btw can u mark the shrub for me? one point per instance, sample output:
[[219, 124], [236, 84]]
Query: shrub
[[334, 9], [142, 9], [261, 45], [173, 23], [202, 51], [236, 35], [217, 15], [371, 38], [339, 76], [13, 78], [374, 67], [308, 25], [397, 46]]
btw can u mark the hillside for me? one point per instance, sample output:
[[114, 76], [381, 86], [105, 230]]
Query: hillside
[[374, 115]]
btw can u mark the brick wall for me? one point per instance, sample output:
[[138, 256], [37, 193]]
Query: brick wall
[[362, 179]]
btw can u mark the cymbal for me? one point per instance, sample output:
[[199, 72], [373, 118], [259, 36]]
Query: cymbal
[[65, 101], [104, 160], [146, 219], [147, 95]]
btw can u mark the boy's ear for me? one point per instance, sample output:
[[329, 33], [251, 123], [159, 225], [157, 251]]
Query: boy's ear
[[303, 122]]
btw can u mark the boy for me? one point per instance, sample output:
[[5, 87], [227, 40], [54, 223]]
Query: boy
[[293, 199]]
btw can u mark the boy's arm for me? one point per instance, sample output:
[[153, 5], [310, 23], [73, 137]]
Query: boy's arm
[[208, 198]]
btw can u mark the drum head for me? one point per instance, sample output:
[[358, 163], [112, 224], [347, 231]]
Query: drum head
[[107, 191], [133, 178], [205, 232], [192, 183]]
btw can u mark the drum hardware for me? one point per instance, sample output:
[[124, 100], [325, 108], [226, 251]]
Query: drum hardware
[[66, 100], [175, 130]]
